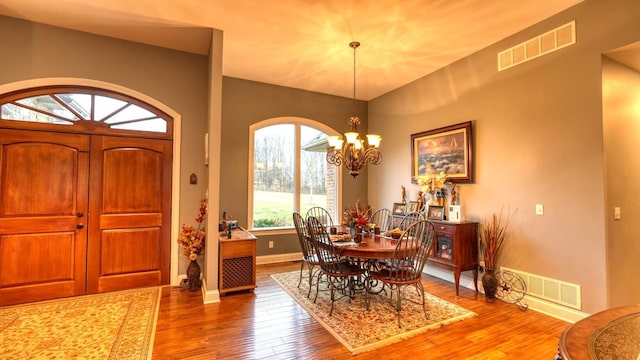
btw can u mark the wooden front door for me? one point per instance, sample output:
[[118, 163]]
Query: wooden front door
[[43, 205], [82, 214], [130, 207]]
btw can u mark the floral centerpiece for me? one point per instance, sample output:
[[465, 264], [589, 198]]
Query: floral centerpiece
[[356, 216], [433, 184], [192, 239]]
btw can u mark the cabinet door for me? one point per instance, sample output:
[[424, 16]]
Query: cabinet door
[[443, 247]]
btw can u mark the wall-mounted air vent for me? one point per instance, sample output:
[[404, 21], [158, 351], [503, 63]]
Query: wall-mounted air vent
[[556, 291], [550, 41]]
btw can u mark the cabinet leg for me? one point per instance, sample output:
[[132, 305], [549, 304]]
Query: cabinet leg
[[475, 278], [456, 276]]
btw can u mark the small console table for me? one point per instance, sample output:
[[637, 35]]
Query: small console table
[[237, 262], [455, 246]]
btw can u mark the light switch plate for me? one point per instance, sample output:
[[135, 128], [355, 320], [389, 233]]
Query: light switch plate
[[539, 209]]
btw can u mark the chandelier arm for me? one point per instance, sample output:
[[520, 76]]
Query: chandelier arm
[[335, 157], [373, 156]]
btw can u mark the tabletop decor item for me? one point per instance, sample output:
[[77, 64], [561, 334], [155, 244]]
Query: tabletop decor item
[[493, 234], [357, 217], [192, 241], [434, 185]]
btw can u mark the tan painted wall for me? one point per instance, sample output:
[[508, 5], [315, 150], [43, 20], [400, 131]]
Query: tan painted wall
[[538, 140], [621, 115], [248, 102], [177, 79]]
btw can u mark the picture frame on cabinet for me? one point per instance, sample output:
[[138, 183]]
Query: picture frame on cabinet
[[414, 206], [435, 212], [399, 208]]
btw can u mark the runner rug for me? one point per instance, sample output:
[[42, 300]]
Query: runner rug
[[115, 325], [360, 330]]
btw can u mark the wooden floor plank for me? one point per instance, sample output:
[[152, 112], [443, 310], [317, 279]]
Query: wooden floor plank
[[268, 324]]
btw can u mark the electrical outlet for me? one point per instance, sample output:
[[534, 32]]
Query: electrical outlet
[[539, 209], [270, 244]]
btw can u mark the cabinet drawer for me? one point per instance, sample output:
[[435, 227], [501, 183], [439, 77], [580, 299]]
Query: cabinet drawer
[[444, 229], [236, 248]]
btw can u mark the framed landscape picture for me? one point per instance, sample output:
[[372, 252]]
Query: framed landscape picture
[[446, 149]]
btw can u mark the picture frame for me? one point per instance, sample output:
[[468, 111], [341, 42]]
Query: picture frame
[[447, 149], [414, 206], [398, 208], [435, 212]]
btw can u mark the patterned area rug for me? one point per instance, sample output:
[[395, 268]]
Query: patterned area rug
[[360, 330], [116, 325]]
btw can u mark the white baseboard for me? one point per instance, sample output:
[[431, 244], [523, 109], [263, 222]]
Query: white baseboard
[[272, 259], [209, 296], [535, 304], [554, 310], [213, 296]]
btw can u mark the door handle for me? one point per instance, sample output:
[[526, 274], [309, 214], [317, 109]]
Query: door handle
[[80, 214], [80, 225]]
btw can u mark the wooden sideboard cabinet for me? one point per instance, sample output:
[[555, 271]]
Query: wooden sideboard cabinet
[[237, 262], [455, 246]]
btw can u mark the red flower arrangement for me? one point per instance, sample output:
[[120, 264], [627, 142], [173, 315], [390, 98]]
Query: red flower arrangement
[[192, 239], [359, 215]]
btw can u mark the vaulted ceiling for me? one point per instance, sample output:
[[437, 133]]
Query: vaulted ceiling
[[305, 43]]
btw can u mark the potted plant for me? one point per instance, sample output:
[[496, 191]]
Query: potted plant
[[493, 234]]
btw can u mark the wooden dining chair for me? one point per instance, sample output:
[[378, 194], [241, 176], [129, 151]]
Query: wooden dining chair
[[321, 214], [409, 219], [406, 265], [309, 257], [383, 219], [341, 274]]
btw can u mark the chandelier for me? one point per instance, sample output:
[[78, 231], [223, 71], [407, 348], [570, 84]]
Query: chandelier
[[353, 153]]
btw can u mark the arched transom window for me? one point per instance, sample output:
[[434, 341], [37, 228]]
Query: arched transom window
[[70, 105]]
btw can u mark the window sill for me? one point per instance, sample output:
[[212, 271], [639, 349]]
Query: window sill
[[268, 232]]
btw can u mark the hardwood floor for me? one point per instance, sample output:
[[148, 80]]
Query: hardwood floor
[[266, 324]]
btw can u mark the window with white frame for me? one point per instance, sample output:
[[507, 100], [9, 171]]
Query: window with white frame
[[289, 172]]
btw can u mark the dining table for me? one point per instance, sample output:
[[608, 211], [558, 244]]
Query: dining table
[[367, 250], [609, 334], [371, 247]]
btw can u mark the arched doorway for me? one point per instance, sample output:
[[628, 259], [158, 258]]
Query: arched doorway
[[86, 179]]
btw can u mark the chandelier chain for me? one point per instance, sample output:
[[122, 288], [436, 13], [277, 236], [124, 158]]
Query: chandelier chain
[[354, 121]]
